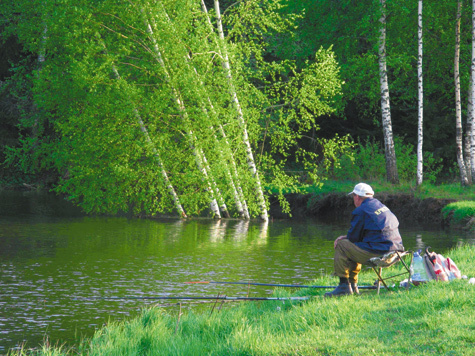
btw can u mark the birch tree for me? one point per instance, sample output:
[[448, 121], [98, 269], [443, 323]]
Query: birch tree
[[156, 154], [245, 137], [458, 101], [420, 100], [390, 153], [227, 154], [472, 95], [468, 132], [198, 153]]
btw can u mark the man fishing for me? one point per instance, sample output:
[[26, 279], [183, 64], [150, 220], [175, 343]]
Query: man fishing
[[373, 232]]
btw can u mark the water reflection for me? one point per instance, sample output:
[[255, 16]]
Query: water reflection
[[48, 261]]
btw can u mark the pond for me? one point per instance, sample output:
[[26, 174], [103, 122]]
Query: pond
[[53, 258]]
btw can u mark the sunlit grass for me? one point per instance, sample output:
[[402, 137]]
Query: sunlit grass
[[426, 190], [431, 319], [460, 211]]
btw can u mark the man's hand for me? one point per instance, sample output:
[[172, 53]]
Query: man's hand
[[338, 239]]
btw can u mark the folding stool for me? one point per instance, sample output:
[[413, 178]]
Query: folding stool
[[387, 260]]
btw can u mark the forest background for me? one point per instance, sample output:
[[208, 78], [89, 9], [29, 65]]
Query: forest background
[[208, 106]]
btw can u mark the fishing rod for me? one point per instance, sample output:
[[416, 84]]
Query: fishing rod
[[274, 285], [192, 298]]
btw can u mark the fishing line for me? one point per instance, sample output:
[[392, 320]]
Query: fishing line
[[189, 298], [274, 285]]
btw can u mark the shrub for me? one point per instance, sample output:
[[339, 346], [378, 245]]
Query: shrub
[[367, 162]]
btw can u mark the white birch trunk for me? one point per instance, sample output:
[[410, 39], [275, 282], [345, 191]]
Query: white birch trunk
[[250, 157], [420, 102], [156, 155], [222, 205], [240, 193], [472, 96], [458, 102], [390, 153], [199, 159], [468, 134], [41, 60], [239, 200], [42, 51]]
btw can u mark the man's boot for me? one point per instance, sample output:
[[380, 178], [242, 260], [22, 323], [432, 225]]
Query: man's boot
[[354, 288], [341, 289]]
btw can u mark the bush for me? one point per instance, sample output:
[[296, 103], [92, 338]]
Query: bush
[[367, 162]]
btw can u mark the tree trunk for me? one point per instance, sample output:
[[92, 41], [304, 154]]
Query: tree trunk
[[241, 198], [250, 157], [156, 155], [458, 103], [390, 153], [420, 101], [472, 96], [468, 134]]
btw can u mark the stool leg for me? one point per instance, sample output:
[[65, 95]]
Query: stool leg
[[378, 273]]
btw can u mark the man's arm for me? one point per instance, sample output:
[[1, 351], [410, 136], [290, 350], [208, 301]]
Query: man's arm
[[355, 233]]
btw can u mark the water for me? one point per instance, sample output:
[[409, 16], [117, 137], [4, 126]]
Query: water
[[52, 257]]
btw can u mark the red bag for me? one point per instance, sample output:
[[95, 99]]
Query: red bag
[[454, 272], [440, 268]]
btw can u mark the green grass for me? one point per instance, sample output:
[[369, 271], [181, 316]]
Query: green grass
[[437, 318], [460, 212], [426, 190]]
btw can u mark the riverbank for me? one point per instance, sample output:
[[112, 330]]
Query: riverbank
[[441, 206], [447, 205], [434, 318]]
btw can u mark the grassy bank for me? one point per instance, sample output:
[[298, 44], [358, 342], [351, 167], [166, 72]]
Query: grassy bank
[[459, 214], [443, 191], [435, 319]]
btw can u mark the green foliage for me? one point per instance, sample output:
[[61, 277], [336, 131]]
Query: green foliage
[[336, 152], [352, 29], [368, 163], [298, 69], [137, 91]]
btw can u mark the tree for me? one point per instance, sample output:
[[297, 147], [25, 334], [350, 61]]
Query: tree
[[390, 153], [420, 100], [156, 154], [167, 133], [471, 112], [458, 101], [240, 116]]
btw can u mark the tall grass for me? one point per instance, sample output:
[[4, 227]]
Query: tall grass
[[431, 319]]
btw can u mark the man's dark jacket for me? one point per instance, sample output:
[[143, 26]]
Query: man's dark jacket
[[374, 227]]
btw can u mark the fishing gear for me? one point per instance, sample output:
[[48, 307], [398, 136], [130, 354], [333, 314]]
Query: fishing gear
[[274, 285], [191, 298]]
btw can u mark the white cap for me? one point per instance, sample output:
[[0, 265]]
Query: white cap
[[363, 190]]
